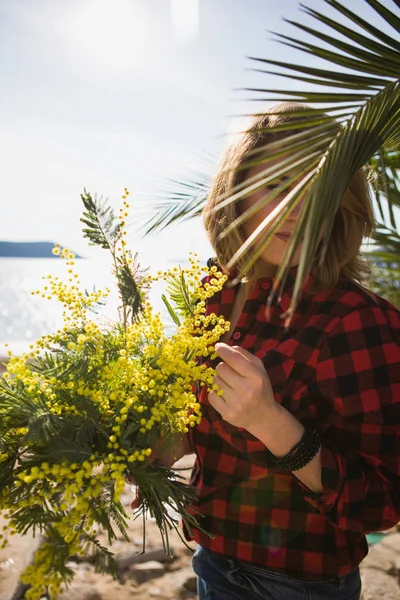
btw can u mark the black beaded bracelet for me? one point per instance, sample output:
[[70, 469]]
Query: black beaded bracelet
[[302, 453]]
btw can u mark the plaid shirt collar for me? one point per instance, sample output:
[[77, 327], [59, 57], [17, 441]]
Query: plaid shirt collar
[[267, 283]]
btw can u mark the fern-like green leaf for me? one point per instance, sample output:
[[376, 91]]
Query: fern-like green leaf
[[93, 307], [179, 294], [59, 554], [129, 290], [18, 406], [171, 311], [102, 227], [102, 558], [43, 428], [119, 516]]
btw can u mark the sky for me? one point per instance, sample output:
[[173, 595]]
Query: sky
[[103, 94]]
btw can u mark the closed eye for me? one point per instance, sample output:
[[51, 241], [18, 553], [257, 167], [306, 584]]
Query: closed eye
[[272, 186]]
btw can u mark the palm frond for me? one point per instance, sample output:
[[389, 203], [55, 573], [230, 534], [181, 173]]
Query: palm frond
[[186, 202], [386, 248], [386, 282], [367, 26], [360, 88], [384, 176], [372, 128], [176, 201]]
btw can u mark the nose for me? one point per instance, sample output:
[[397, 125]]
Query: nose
[[297, 209]]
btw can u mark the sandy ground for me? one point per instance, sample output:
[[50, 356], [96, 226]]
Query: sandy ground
[[168, 578]]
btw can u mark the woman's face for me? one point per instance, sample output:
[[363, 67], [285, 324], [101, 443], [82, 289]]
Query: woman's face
[[272, 255]]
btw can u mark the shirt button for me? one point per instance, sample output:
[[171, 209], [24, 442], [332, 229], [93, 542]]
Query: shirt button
[[237, 335], [265, 285]]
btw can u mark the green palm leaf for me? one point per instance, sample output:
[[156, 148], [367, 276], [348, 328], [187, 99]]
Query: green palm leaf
[[175, 201], [361, 86], [385, 252], [185, 203], [386, 282], [385, 179]]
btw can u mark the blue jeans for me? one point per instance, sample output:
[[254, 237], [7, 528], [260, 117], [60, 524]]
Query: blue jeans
[[220, 578]]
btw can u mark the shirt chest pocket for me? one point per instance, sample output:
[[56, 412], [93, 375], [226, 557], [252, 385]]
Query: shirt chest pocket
[[287, 376], [280, 369]]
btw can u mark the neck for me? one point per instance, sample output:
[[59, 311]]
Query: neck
[[263, 269]]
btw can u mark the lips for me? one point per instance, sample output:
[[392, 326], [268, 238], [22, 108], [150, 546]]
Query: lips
[[283, 236]]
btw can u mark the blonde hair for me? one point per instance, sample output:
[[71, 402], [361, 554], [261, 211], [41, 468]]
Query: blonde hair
[[354, 219]]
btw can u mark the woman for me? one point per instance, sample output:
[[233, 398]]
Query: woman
[[299, 457]]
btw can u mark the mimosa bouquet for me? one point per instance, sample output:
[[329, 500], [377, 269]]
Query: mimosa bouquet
[[84, 410]]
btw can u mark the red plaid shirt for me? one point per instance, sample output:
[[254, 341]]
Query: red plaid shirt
[[337, 370]]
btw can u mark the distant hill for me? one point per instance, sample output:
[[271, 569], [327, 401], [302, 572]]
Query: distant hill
[[28, 250]]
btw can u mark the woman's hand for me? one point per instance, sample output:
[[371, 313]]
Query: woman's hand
[[247, 396], [165, 455]]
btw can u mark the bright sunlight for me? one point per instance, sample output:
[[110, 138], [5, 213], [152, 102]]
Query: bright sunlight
[[113, 34]]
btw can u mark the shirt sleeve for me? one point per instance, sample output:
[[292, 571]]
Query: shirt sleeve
[[358, 379]]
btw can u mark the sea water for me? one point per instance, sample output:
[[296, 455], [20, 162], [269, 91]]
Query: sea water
[[25, 317]]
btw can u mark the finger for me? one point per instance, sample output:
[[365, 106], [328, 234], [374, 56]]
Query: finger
[[131, 478], [251, 357], [217, 402], [137, 500], [229, 375], [235, 359], [226, 392]]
